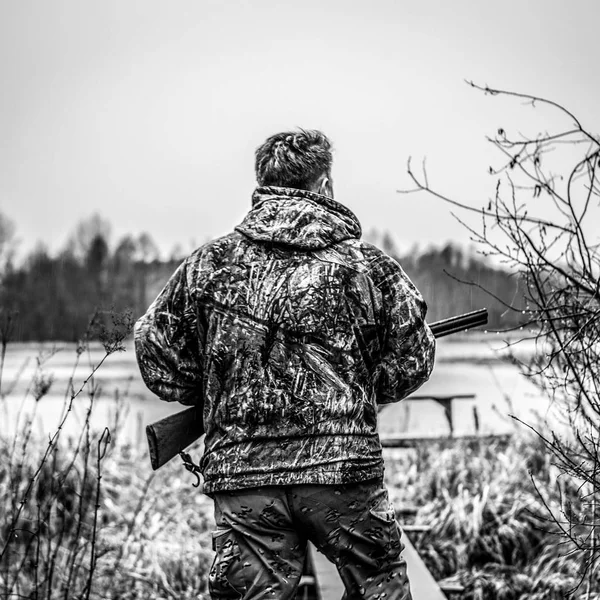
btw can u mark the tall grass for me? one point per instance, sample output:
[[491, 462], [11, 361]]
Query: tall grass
[[490, 529], [81, 514]]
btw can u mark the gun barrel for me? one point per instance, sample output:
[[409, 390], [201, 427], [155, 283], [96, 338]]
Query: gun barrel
[[459, 323]]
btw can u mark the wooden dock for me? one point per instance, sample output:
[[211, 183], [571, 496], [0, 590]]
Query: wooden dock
[[322, 581], [329, 586]]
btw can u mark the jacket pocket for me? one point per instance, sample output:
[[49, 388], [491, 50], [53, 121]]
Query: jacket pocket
[[225, 576], [386, 534]]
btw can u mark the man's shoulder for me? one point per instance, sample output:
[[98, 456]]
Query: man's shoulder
[[384, 270], [372, 256], [211, 255], [216, 247]]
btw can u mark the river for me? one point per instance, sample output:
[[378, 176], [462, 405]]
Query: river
[[468, 364]]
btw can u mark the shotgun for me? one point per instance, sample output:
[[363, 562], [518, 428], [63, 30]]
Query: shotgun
[[172, 435]]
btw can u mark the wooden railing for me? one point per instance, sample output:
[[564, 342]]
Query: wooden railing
[[445, 401]]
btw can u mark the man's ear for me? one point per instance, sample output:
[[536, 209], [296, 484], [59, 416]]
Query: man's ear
[[326, 186]]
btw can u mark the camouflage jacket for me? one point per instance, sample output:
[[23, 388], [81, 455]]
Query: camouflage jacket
[[288, 333]]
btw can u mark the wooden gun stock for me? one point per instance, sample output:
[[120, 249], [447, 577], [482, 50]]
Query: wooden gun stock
[[173, 434]]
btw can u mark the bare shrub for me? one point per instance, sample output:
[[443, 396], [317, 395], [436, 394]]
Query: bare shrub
[[542, 225], [82, 514]]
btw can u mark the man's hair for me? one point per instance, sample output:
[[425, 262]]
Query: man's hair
[[293, 159]]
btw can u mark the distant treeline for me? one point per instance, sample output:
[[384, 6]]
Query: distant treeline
[[453, 281], [54, 297], [65, 295]]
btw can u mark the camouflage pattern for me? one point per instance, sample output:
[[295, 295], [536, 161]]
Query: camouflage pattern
[[261, 536], [287, 333]]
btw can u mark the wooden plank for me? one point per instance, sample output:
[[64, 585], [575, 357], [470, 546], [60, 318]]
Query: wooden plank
[[307, 580], [442, 397], [329, 584], [451, 587], [406, 509], [422, 584], [416, 528], [409, 441], [330, 587]]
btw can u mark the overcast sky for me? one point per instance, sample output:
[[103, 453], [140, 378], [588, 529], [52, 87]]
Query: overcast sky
[[149, 111]]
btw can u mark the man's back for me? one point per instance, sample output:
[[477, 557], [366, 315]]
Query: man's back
[[287, 334], [295, 322]]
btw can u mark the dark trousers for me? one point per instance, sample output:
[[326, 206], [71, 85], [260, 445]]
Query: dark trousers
[[261, 536]]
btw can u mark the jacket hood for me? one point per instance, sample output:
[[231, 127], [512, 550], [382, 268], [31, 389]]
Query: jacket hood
[[298, 218]]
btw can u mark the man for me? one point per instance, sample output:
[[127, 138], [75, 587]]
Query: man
[[287, 334]]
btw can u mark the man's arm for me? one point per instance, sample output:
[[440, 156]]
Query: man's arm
[[408, 345], [167, 345]]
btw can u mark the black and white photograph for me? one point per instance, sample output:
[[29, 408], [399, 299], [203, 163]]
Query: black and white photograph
[[299, 300]]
